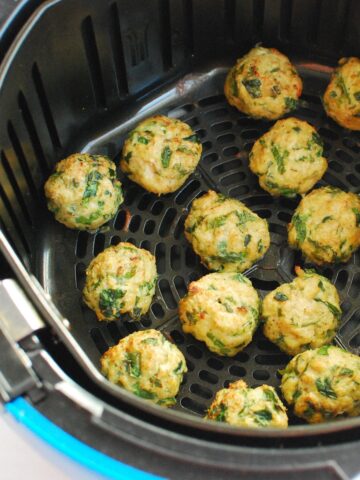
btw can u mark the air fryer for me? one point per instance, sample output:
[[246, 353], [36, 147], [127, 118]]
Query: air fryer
[[77, 76]]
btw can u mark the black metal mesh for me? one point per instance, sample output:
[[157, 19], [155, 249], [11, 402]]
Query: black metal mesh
[[157, 224]]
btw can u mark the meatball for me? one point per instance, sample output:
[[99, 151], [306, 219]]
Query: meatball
[[342, 96], [288, 158], [226, 234], [222, 310], [120, 280], [302, 314], [83, 192], [147, 364], [242, 406], [263, 84], [326, 225], [323, 384], [160, 154]]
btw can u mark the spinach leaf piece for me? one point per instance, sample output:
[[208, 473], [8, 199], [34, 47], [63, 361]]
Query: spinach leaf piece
[[253, 86], [109, 303], [324, 387], [165, 156]]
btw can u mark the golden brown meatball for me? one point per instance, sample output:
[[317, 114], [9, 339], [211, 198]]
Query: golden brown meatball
[[326, 225], [120, 280], [227, 235], [146, 364], [342, 96], [222, 310], [83, 192], [323, 384], [263, 84], [288, 158], [248, 407], [302, 314], [160, 154]]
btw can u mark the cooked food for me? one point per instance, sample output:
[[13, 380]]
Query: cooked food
[[83, 192], [302, 314], [342, 96], [326, 225], [227, 235], [242, 406], [160, 154], [120, 280], [146, 364], [288, 158], [222, 310], [323, 384], [263, 84]]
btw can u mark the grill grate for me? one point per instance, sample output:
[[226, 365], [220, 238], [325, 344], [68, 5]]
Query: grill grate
[[156, 223]]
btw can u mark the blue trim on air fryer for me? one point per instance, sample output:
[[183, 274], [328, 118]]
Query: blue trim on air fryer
[[70, 446]]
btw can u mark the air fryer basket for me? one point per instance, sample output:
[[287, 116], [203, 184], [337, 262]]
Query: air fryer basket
[[80, 76]]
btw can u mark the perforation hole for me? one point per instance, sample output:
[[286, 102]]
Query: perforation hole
[[192, 406], [351, 144], [344, 156], [348, 327], [145, 322], [206, 146], [145, 201], [175, 257], [284, 217], [191, 260], [160, 253], [266, 345], [157, 310], [187, 193], [237, 371], [194, 351], [205, 102], [306, 112], [221, 127], [80, 275], [167, 294], [280, 359], [250, 134], [210, 158], [114, 331], [146, 245], [130, 327], [227, 138], [179, 229], [355, 286], [341, 279], [130, 195], [259, 200], [353, 180], [99, 340], [261, 375], [242, 357], [208, 377], [264, 213], [177, 336], [355, 341], [278, 229], [219, 112], [99, 243], [122, 220], [335, 166], [157, 208], [166, 222], [180, 286], [226, 167], [82, 243], [149, 227], [201, 391], [240, 190], [135, 223], [215, 363], [115, 240]]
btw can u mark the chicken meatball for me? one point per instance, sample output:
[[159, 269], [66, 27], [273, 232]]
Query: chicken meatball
[[263, 84], [323, 384], [326, 225], [83, 192], [342, 96], [222, 310], [302, 314], [288, 158], [227, 235], [242, 406], [120, 280], [160, 154], [146, 364]]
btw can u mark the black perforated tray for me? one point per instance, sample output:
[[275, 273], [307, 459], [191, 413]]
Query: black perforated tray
[[157, 225]]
